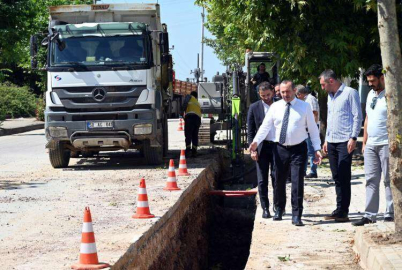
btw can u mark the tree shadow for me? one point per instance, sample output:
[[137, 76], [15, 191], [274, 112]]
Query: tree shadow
[[325, 183], [134, 160], [25, 135], [11, 184]]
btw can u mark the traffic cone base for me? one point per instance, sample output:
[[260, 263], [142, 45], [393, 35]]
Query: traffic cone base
[[143, 215], [183, 165], [81, 266], [171, 188], [183, 173], [171, 183], [142, 202]]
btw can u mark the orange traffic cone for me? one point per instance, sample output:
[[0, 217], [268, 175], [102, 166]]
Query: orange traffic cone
[[182, 121], [180, 126], [88, 254], [183, 164], [142, 202], [171, 183]]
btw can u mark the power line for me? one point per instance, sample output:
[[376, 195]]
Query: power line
[[182, 58]]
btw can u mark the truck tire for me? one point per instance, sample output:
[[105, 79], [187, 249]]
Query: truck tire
[[59, 156], [152, 155]]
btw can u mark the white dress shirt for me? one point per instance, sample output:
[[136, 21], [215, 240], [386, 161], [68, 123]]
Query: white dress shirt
[[271, 134], [301, 121], [266, 107]]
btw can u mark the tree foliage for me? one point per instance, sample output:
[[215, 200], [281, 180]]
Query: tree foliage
[[308, 36], [19, 19]]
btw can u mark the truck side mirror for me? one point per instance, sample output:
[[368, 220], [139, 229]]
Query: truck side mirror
[[33, 51], [164, 42]]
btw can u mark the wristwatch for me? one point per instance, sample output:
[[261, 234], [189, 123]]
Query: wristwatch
[[354, 138]]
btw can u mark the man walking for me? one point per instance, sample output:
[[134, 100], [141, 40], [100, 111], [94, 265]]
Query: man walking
[[264, 153], [192, 123], [375, 149], [303, 93], [344, 122], [291, 119]]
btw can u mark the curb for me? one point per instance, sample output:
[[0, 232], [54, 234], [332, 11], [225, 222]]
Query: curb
[[12, 131], [372, 255]]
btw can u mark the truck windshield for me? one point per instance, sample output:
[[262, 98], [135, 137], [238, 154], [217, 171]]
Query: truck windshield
[[100, 51]]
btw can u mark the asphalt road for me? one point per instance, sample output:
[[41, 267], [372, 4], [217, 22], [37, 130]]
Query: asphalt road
[[41, 207], [17, 152]]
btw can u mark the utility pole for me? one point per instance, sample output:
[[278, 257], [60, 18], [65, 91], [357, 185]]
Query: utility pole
[[202, 45]]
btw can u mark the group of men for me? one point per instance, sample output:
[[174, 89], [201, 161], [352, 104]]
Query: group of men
[[282, 133]]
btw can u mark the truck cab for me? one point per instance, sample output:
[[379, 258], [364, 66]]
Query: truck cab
[[108, 81]]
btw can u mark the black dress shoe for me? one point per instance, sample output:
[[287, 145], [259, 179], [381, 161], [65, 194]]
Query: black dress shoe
[[278, 214], [297, 221], [311, 175], [388, 219], [266, 213], [332, 216], [342, 217], [363, 222], [194, 152]]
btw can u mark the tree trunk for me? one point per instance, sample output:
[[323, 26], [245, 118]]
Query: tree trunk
[[392, 64]]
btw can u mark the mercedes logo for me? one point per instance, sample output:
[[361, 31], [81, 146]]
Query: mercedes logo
[[99, 94]]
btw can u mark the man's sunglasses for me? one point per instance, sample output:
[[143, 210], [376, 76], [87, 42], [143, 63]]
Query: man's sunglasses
[[373, 103]]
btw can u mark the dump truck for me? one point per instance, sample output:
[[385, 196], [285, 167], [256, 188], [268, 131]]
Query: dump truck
[[109, 80]]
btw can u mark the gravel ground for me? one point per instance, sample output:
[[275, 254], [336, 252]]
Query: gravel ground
[[41, 208]]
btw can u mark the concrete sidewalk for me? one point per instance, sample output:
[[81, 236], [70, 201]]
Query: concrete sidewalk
[[19, 125], [322, 244]]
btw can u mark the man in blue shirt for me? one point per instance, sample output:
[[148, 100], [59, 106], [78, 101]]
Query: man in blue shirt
[[344, 122], [375, 149]]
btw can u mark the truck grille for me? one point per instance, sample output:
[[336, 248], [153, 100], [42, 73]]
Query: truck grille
[[99, 98]]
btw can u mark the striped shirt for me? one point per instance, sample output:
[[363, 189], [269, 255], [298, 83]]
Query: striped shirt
[[344, 119]]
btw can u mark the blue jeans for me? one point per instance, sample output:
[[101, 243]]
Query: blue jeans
[[311, 154]]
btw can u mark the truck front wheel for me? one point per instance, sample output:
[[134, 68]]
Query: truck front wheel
[[152, 155], [59, 156]]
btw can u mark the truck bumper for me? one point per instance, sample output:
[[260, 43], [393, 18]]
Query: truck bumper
[[75, 128]]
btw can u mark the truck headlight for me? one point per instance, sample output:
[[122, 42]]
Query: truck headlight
[[143, 129], [58, 132]]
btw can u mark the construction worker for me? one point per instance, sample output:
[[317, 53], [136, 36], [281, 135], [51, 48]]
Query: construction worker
[[192, 121]]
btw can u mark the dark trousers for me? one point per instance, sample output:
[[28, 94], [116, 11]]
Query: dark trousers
[[264, 164], [291, 161], [192, 123], [340, 162]]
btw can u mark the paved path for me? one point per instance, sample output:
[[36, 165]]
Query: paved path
[[319, 244]]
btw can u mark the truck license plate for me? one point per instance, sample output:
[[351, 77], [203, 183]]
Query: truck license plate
[[105, 124]]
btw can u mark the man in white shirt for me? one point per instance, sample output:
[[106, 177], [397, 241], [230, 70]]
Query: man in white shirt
[[303, 93], [376, 149], [264, 155], [292, 120]]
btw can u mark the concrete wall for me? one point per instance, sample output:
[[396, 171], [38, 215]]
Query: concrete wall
[[179, 239]]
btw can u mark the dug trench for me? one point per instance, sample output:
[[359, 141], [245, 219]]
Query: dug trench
[[201, 230]]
